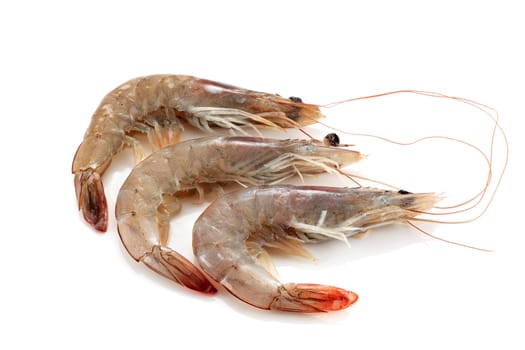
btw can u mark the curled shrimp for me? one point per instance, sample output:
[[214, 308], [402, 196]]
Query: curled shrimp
[[149, 196], [231, 237], [156, 105]]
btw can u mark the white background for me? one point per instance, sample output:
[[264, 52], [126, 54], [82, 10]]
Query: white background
[[65, 285]]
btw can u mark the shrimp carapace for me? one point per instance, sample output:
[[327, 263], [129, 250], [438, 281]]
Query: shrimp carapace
[[157, 105]]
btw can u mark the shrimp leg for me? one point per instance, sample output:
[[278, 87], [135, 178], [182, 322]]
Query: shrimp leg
[[234, 232], [157, 105], [148, 197]]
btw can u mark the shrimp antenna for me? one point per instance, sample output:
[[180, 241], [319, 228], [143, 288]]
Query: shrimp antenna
[[446, 240], [306, 133], [471, 202]]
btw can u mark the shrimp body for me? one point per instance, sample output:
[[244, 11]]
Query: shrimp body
[[156, 105], [231, 236], [148, 197]]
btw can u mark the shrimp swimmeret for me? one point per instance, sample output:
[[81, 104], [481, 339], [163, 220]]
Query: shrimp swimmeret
[[156, 105], [148, 198], [231, 237]]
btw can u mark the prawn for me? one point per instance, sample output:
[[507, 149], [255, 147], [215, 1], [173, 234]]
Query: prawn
[[231, 237], [156, 105], [149, 197]]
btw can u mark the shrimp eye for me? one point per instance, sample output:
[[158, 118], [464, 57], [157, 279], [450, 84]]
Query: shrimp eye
[[296, 99], [403, 192], [331, 140]]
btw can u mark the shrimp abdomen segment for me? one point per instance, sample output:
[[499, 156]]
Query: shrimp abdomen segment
[[143, 225], [249, 280]]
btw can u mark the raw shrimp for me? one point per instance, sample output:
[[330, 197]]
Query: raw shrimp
[[156, 105], [231, 237], [148, 197]]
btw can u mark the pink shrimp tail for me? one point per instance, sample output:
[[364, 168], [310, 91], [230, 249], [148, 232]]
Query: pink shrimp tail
[[177, 268], [91, 199], [307, 297]]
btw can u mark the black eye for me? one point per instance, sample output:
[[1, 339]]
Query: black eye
[[296, 99], [331, 140], [403, 192]]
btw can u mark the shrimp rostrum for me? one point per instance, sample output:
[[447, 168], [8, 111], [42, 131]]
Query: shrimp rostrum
[[149, 197], [232, 236], [157, 105]]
